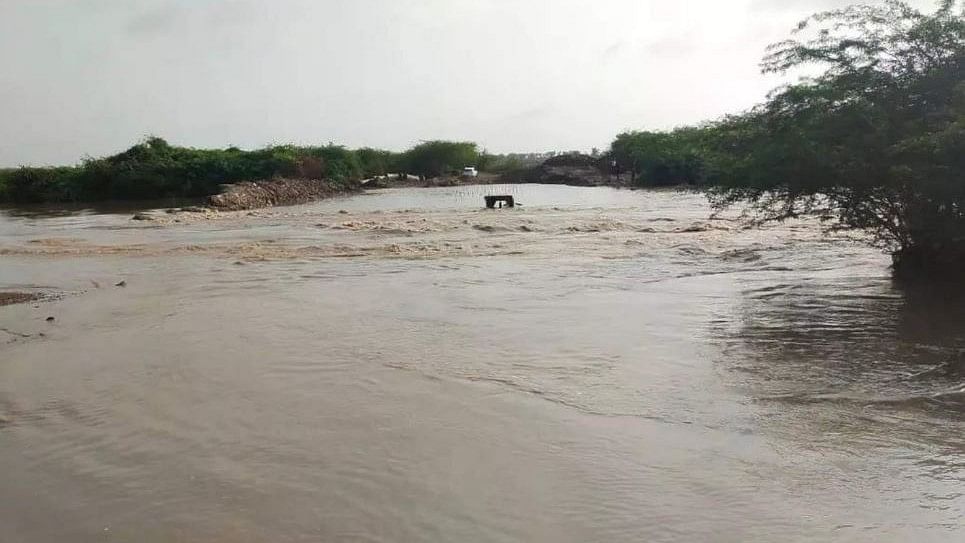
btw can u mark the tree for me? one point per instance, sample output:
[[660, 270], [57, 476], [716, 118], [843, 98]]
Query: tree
[[376, 162], [876, 142], [659, 158], [435, 158]]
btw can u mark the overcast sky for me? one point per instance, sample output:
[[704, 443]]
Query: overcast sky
[[91, 77]]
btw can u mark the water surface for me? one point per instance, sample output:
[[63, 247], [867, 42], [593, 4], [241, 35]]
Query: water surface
[[597, 365]]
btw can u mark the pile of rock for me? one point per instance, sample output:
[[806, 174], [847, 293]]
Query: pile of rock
[[10, 298], [274, 192]]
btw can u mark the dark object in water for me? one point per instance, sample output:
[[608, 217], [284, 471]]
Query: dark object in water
[[121, 284], [492, 200], [50, 319]]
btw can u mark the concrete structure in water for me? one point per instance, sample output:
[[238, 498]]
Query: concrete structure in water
[[492, 200]]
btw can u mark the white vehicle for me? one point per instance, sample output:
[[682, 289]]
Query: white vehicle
[[470, 171]]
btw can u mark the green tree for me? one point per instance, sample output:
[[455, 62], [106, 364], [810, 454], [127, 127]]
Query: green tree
[[435, 158], [500, 163], [659, 158], [877, 141], [378, 161]]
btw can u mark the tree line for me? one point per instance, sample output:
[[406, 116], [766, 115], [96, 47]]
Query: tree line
[[155, 169]]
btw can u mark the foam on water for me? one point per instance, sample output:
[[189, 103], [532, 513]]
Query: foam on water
[[405, 366]]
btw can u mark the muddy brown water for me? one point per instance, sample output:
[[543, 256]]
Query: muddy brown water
[[597, 365]]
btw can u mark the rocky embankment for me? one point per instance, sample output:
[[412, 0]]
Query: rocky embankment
[[10, 298], [277, 192]]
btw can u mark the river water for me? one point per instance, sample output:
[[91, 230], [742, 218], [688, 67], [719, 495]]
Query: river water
[[597, 365]]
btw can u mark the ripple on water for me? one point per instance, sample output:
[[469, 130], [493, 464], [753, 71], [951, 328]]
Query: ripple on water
[[595, 365]]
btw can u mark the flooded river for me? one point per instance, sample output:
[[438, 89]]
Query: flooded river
[[597, 365]]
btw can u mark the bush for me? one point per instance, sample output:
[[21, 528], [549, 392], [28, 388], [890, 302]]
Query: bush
[[35, 185], [5, 176], [436, 158], [376, 162], [660, 158], [155, 169]]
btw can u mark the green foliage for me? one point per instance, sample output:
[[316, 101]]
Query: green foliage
[[155, 169], [338, 163], [376, 162], [436, 158], [660, 158], [6, 175], [34, 185], [503, 163], [877, 141]]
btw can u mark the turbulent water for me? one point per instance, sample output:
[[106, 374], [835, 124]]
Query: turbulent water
[[597, 365]]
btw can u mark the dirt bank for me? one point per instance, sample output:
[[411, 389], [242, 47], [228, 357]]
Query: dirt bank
[[275, 192]]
